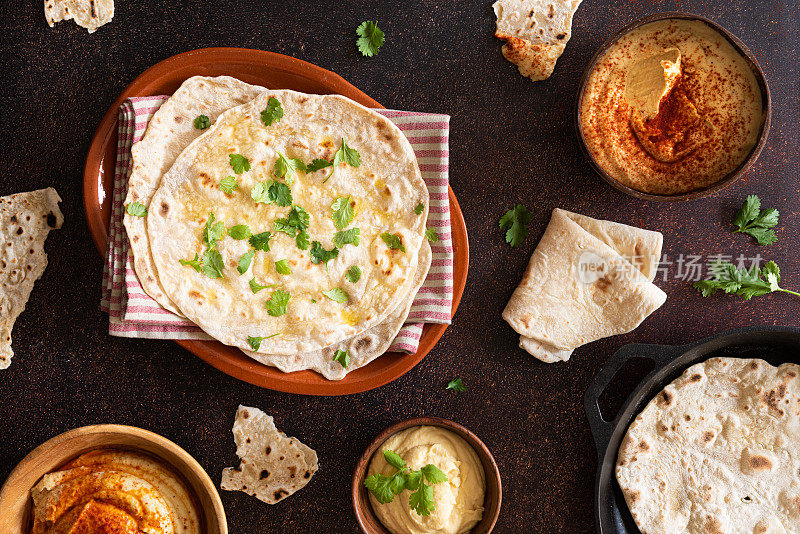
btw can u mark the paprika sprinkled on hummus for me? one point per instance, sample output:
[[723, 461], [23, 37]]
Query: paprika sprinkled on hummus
[[708, 117]]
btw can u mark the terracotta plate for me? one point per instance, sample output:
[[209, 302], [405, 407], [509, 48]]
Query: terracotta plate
[[277, 72]]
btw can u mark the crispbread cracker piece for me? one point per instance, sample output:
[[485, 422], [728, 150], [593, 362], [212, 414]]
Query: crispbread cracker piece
[[25, 221], [89, 14], [274, 466], [535, 33]]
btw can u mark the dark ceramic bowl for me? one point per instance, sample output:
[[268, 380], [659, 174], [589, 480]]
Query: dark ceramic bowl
[[725, 181], [369, 522]]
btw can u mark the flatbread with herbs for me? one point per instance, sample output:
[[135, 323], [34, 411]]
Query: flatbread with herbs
[[315, 306]]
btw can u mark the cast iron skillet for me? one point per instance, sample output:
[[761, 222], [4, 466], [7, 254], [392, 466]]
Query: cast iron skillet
[[775, 344]]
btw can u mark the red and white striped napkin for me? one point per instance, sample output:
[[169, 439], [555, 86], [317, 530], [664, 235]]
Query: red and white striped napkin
[[132, 313]]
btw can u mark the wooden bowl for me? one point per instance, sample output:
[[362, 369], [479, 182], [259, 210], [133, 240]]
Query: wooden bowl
[[728, 179], [15, 496], [369, 522]]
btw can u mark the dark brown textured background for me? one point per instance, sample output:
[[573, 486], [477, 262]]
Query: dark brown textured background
[[512, 141]]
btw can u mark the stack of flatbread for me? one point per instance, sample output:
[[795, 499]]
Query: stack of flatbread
[[717, 450], [587, 279], [535, 33], [177, 175], [274, 466], [25, 221]]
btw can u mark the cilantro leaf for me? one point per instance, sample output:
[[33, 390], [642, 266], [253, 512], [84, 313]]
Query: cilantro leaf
[[456, 385], [342, 357], [320, 255], [413, 480], [239, 163], [255, 287], [337, 294], [344, 154], [755, 222], [282, 225], [229, 184], [353, 274], [343, 211], [421, 501], [419, 209], [260, 192], [213, 231], [393, 241], [433, 474], [380, 486], [318, 164], [273, 113], [276, 305], [282, 266], [212, 264], [136, 209], [302, 240], [260, 241], [255, 342], [280, 194], [515, 222], [346, 237], [747, 283], [394, 459], [245, 261], [240, 231], [432, 235], [201, 122], [287, 168], [370, 38], [194, 264]]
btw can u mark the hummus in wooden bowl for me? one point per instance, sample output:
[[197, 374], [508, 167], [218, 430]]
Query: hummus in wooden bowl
[[110, 478], [673, 107]]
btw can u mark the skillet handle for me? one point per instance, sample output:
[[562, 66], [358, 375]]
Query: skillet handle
[[602, 429]]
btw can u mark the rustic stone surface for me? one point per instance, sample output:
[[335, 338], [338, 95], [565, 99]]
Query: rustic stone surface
[[511, 141]]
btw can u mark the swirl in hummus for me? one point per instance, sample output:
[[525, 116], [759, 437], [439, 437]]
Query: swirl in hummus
[[109, 490], [458, 500], [671, 107]]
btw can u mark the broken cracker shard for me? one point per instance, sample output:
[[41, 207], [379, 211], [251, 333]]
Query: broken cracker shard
[[535, 33]]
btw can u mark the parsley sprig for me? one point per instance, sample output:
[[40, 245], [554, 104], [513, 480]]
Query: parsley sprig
[[747, 283], [755, 222], [370, 38], [384, 487]]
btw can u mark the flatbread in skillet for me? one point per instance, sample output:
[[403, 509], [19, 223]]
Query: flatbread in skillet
[[717, 451], [25, 221], [535, 33], [587, 279], [274, 466]]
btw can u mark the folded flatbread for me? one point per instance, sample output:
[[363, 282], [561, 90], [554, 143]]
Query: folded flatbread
[[717, 450], [535, 33], [274, 466], [25, 221], [89, 14], [586, 280]]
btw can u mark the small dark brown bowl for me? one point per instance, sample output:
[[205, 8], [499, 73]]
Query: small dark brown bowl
[[725, 181], [369, 522]]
